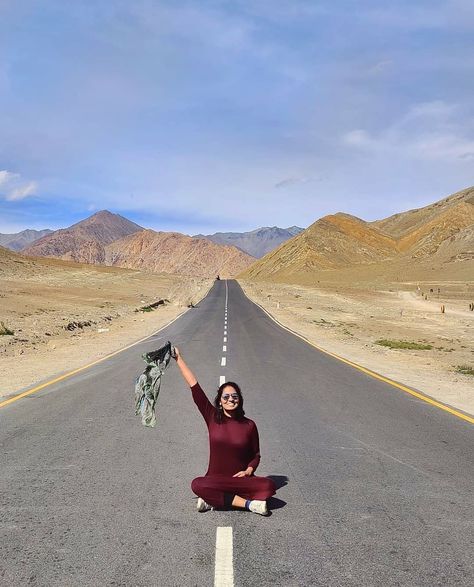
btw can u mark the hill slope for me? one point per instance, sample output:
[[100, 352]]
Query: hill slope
[[171, 252], [331, 242], [399, 225], [434, 235]]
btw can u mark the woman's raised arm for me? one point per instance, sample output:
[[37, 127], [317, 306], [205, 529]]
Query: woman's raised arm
[[185, 370], [199, 397]]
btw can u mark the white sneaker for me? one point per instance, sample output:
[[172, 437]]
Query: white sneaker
[[202, 506], [258, 507]]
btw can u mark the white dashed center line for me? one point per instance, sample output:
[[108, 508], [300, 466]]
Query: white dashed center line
[[224, 567]]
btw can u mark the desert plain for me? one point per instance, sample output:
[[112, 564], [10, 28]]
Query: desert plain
[[64, 315]]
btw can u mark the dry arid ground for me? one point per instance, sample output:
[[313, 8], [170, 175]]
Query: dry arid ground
[[349, 320], [39, 301]]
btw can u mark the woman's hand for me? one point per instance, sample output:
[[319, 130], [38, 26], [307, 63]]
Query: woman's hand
[[185, 370], [248, 471]]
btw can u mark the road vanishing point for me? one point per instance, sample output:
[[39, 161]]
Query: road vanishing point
[[375, 485]]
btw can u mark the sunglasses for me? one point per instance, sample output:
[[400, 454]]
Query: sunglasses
[[226, 396]]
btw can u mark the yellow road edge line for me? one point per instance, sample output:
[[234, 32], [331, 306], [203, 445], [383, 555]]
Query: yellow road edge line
[[70, 373], [400, 386]]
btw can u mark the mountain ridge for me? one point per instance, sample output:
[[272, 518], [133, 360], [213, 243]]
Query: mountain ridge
[[19, 240], [257, 242], [110, 239], [440, 232]]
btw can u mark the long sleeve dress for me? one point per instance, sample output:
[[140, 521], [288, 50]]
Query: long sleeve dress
[[233, 446]]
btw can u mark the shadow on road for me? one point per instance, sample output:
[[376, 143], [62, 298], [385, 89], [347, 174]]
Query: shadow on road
[[280, 481]]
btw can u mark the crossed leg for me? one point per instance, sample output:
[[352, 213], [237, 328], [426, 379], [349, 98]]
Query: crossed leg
[[221, 490]]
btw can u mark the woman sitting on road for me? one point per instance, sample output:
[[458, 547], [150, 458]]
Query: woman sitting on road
[[234, 451]]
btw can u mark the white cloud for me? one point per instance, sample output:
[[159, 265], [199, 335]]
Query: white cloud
[[13, 187], [428, 131], [358, 138], [380, 67]]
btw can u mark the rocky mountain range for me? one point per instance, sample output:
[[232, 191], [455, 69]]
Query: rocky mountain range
[[438, 234], [20, 240], [172, 252], [256, 243], [110, 239]]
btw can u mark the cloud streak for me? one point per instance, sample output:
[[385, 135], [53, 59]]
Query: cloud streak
[[291, 181], [431, 131], [14, 188]]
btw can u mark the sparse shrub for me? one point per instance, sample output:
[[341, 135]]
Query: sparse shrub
[[73, 325], [323, 322], [404, 344], [152, 306], [465, 369], [5, 331]]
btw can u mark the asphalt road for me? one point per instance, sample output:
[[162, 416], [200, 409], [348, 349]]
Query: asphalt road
[[376, 486]]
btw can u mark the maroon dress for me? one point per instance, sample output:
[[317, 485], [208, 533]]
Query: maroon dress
[[233, 446]]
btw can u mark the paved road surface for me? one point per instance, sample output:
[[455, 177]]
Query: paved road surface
[[376, 486]]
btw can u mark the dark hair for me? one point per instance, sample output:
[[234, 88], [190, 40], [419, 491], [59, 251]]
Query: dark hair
[[239, 410]]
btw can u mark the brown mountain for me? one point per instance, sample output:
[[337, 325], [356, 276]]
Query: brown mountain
[[333, 241], [439, 233], [403, 223], [172, 252], [421, 232], [84, 241]]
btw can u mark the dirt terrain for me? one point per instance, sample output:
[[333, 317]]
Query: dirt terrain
[[65, 315], [349, 320]]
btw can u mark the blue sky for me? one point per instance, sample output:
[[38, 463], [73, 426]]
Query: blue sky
[[199, 116]]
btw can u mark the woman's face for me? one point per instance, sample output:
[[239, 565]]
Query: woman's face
[[229, 399]]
